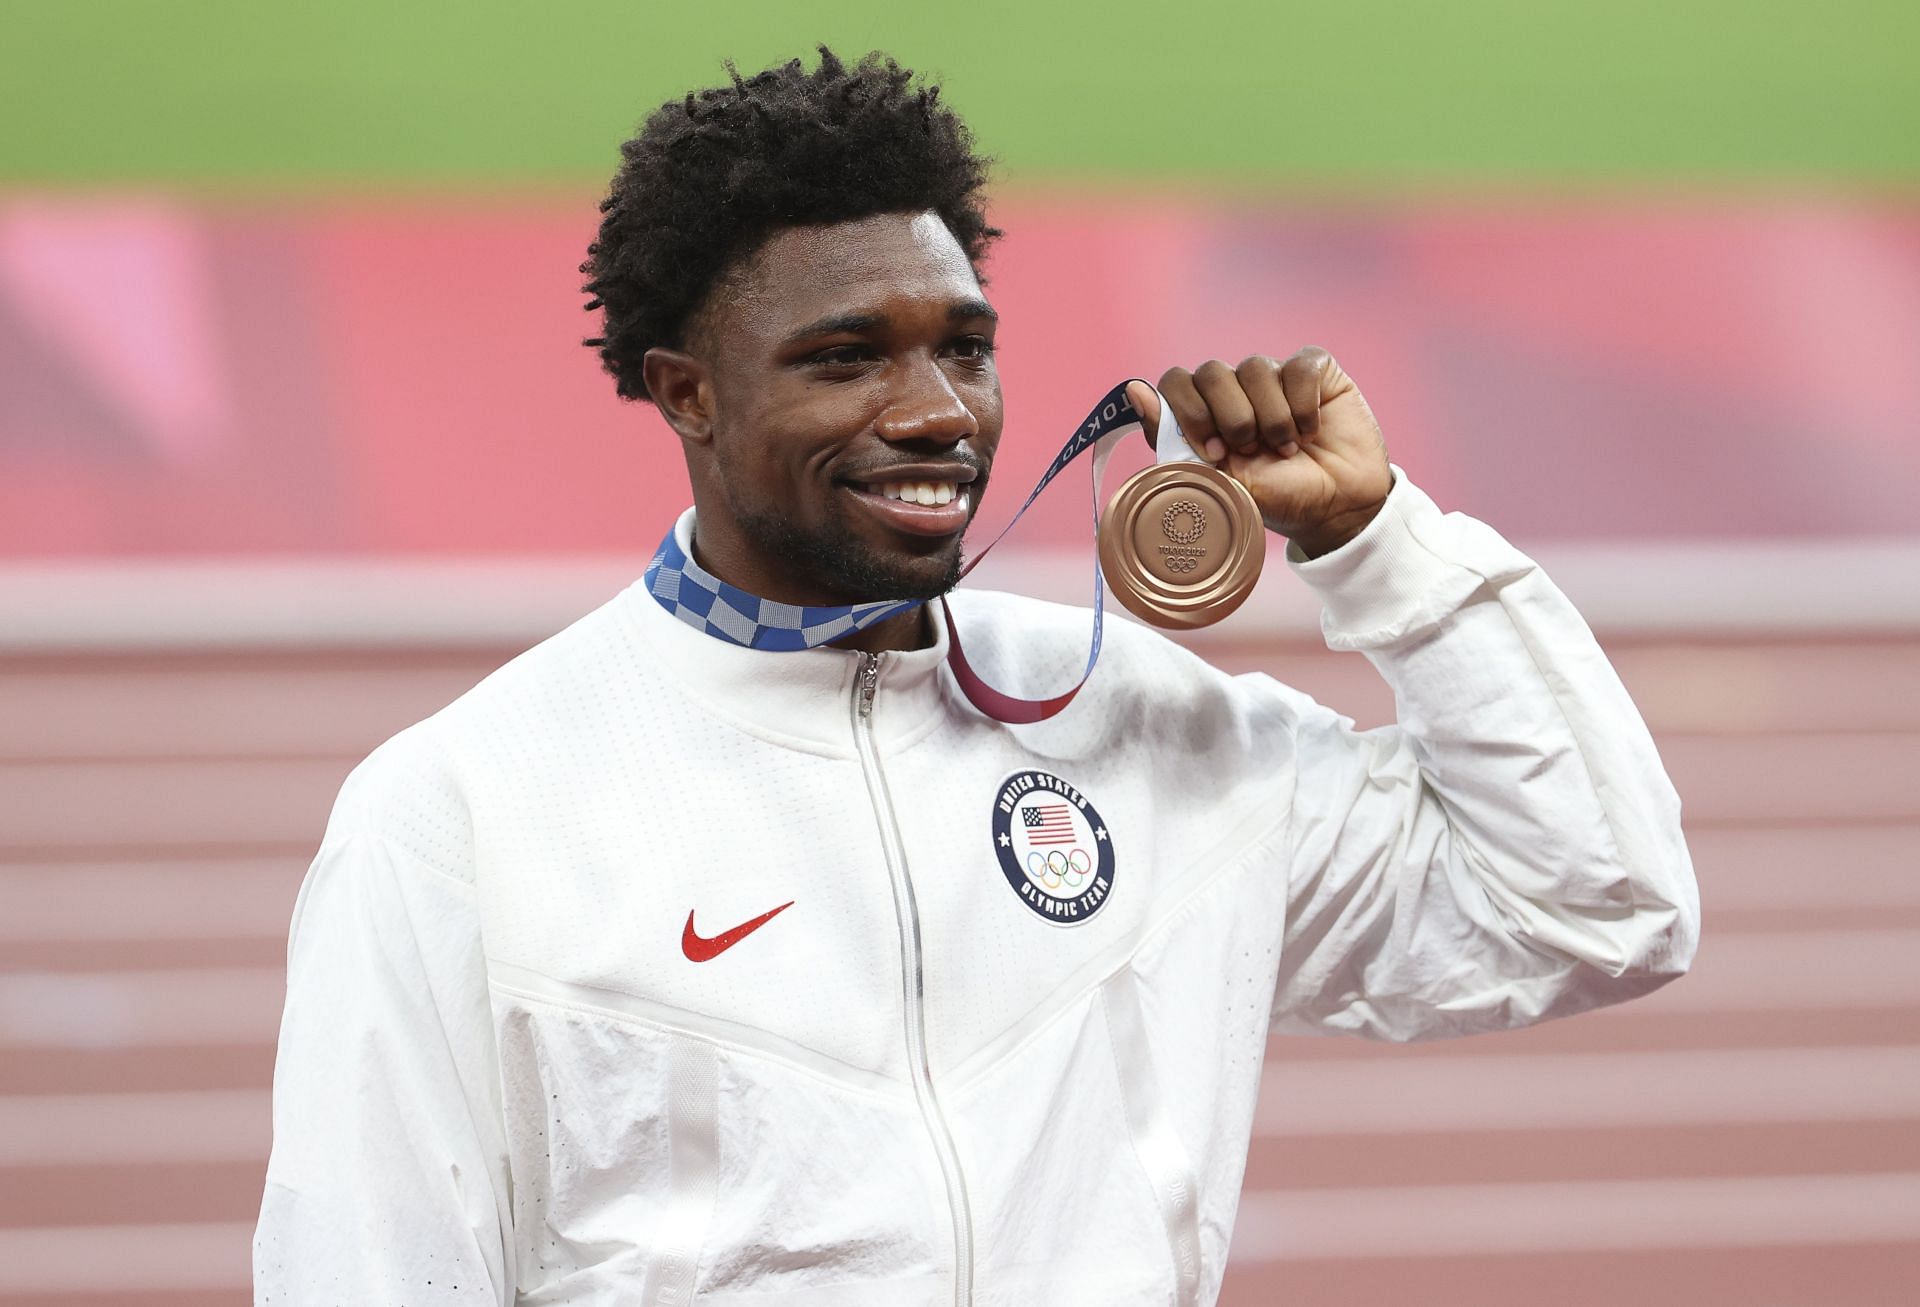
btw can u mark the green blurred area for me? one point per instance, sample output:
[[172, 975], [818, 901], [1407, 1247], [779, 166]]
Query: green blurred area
[[380, 93]]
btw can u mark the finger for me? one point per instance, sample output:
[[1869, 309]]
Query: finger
[[1147, 404], [1260, 378], [1191, 412], [1304, 379], [1231, 409]]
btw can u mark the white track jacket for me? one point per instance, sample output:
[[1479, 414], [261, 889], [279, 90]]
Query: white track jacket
[[656, 970]]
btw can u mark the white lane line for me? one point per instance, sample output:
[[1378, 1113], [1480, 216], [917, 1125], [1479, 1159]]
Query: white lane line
[[1618, 1215], [307, 604], [1586, 1090], [104, 1258], [210, 1125], [135, 1009], [252, 899], [1667, 586]]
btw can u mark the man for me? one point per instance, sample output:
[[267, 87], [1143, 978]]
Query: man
[[675, 963]]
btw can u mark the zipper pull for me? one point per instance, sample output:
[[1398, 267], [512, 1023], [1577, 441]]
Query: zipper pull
[[869, 682]]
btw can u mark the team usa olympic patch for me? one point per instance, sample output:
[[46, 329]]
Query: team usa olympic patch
[[1053, 848]]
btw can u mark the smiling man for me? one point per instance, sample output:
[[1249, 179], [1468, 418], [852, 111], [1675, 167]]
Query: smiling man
[[721, 950]]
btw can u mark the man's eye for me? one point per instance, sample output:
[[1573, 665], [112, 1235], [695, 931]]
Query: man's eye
[[977, 348], [843, 356]]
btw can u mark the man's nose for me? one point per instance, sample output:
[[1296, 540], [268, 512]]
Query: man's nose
[[925, 406]]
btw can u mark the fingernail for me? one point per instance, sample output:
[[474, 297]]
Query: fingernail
[[1289, 449], [1215, 448]]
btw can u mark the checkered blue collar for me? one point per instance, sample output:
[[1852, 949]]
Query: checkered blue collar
[[706, 603]]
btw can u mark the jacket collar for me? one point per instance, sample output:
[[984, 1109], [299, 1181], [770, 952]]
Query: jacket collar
[[802, 699]]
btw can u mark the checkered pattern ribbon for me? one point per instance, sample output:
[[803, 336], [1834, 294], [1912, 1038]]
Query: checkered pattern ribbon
[[726, 612]]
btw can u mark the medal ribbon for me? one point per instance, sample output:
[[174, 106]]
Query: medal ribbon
[[702, 600]]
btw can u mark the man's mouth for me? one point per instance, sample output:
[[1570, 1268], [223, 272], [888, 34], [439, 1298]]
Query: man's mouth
[[919, 492], [924, 504]]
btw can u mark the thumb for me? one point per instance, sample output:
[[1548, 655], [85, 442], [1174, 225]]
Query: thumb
[[1147, 404]]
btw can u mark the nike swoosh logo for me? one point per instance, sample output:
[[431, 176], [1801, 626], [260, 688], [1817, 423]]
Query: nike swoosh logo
[[705, 950]]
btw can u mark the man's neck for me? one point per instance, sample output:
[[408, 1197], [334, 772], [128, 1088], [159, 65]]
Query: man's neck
[[912, 629]]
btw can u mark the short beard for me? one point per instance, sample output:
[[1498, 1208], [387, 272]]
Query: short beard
[[835, 562]]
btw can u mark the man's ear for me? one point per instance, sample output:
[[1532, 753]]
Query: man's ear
[[681, 387]]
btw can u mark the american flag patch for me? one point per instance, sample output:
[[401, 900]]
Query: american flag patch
[[1048, 823]]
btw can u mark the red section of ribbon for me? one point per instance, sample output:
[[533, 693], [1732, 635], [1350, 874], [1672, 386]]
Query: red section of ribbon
[[1000, 707]]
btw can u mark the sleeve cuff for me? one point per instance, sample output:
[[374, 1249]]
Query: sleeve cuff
[[1386, 582]]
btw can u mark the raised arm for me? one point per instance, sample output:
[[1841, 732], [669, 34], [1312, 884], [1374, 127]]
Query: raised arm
[[1511, 849]]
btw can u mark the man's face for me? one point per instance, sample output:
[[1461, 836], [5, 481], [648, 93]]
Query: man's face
[[855, 412]]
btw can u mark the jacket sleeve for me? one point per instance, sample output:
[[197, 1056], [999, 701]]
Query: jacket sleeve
[[1511, 850], [388, 1179]]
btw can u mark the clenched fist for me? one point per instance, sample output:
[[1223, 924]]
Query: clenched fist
[[1298, 435]]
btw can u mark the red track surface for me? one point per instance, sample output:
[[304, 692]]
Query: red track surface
[[1749, 1136]]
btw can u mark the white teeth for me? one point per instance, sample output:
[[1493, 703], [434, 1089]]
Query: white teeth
[[931, 493]]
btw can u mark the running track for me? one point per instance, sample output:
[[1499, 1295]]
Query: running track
[[1750, 1136]]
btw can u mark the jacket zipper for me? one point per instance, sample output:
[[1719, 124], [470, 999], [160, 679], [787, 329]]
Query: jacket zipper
[[908, 915]]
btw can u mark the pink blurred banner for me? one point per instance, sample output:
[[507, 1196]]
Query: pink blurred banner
[[406, 378]]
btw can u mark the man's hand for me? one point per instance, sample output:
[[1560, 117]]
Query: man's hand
[[1296, 434]]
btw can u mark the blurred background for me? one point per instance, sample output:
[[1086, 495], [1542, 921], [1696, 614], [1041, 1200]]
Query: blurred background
[[297, 441]]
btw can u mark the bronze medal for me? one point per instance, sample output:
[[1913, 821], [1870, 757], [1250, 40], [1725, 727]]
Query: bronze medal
[[1182, 544]]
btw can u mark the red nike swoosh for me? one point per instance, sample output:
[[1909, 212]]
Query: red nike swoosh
[[703, 950]]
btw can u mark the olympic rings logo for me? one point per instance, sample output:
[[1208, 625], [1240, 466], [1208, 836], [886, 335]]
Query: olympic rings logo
[[1179, 563], [1183, 535], [1056, 868]]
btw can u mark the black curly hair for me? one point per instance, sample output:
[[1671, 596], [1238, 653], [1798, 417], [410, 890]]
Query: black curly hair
[[710, 177]]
